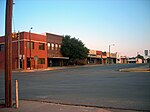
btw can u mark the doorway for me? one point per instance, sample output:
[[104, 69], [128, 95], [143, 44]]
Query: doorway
[[28, 62]]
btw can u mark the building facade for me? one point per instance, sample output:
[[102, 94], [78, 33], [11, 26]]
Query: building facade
[[54, 56], [135, 60], [94, 57], [39, 51], [28, 51], [34, 51]]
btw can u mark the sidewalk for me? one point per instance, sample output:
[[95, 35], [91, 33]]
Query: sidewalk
[[55, 68], [36, 106], [144, 68], [39, 106]]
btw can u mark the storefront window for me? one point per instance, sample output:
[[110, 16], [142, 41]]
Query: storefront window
[[41, 61]]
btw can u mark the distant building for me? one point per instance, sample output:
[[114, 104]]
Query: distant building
[[138, 60], [124, 59], [135, 60], [99, 57], [104, 58], [94, 57], [121, 59], [112, 58], [131, 60]]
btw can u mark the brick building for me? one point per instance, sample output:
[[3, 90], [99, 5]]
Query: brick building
[[2, 54], [54, 55], [35, 51]]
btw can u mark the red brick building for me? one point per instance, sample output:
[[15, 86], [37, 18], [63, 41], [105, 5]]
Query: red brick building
[[54, 56], [2, 52], [35, 51]]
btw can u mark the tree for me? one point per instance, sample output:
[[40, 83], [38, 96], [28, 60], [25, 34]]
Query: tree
[[139, 56], [74, 49], [148, 60]]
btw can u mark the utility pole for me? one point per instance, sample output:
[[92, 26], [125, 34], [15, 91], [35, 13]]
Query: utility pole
[[109, 53], [109, 56], [18, 36], [8, 54], [30, 45]]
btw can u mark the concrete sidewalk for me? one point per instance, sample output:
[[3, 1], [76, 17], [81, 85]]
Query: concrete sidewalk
[[39, 106], [36, 106]]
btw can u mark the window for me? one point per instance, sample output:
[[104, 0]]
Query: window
[[56, 46], [32, 45], [41, 61], [41, 46], [52, 46], [48, 46], [59, 46], [2, 47]]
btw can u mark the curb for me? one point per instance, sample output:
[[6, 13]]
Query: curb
[[135, 70], [55, 68]]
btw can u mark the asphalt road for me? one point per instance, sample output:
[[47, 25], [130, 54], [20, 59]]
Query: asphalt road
[[100, 86]]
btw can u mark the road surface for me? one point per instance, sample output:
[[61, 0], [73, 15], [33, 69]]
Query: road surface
[[98, 86]]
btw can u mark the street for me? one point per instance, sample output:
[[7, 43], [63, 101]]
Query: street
[[99, 86]]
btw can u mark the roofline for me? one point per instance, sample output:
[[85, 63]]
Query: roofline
[[54, 34]]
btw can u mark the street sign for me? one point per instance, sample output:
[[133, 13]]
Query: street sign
[[35, 57]]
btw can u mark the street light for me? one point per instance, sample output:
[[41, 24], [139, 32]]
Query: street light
[[109, 53], [30, 44]]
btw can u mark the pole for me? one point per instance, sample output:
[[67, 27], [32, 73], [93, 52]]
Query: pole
[[109, 55], [18, 50], [30, 45], [8, 54], [17, 102]]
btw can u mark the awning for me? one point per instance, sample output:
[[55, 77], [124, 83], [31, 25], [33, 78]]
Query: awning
[[94, 57], [60, 58]]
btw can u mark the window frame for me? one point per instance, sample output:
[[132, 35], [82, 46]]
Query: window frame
[[41, 46], [30, 45], [52, 46], [2, 47], [41, 60], [48, 46]]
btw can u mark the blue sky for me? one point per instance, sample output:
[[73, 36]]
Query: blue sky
[[98, 23]]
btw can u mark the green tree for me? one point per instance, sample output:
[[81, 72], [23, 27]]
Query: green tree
[[74, 49], [148, 60], [139, 56]]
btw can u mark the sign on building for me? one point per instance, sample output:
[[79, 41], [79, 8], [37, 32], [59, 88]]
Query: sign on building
[[146, 52]]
